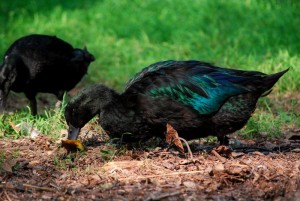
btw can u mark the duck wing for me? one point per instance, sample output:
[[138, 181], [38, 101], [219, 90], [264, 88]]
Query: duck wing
[[196, 84], [148, 70]]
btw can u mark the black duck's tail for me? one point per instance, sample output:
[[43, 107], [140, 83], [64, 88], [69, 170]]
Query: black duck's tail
[[270, 80]]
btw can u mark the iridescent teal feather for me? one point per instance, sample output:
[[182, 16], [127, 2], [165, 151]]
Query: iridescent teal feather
[[196, 84], [196, 98]]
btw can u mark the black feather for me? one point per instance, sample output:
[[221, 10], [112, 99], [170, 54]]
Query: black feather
[[41, 63], [196, 98]]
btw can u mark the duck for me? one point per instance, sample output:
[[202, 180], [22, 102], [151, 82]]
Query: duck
[[196, 98], [39, 63]]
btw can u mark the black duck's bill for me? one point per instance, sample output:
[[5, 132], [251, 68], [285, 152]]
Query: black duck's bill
[[73, 132]]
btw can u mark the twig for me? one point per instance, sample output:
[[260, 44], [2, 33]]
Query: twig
[[17, 148], [53, 185], [38, 187], [222, 159], [160, 175], [188, 147], [7, 196], [161, 196], [28, 186]]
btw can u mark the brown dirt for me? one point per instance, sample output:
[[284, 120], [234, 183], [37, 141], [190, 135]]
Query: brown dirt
[[40, 169]]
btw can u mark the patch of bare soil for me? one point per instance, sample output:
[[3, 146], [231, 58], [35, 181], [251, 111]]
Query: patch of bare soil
[[40, 169]]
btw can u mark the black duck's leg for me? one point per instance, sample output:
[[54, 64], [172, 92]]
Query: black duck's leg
[[224, 140], [33, 104]]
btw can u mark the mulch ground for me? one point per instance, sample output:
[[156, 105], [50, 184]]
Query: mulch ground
[[40, 169]]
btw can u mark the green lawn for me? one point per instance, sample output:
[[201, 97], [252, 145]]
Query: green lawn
[[127, 35]]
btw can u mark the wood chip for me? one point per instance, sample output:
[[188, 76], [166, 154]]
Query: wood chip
[[190, 185], [237, 154], [222, 159], [219, 167]]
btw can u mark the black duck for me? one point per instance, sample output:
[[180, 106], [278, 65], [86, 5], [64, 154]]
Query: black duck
[[198, 99], [41, 63]]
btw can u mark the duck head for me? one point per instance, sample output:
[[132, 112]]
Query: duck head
[[82, 55], [83, 107]]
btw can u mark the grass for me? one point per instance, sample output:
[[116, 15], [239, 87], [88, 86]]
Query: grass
[[269, 122], [127, 35], [50, 123]]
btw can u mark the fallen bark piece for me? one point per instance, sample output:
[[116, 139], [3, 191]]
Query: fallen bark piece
[[221, 158]]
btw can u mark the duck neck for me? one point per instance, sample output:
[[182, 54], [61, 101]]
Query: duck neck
[[88, 103], [105, 97]]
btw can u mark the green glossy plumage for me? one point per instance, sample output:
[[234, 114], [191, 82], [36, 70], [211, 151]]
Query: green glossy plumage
[[196, 98], [197, 84]]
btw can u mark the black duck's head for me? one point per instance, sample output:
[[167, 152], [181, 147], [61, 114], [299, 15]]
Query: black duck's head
[[82, 55], [8, 74], [83, 107]]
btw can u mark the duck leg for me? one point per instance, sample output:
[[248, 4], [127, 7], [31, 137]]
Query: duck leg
[[224, 140], [32, 103]]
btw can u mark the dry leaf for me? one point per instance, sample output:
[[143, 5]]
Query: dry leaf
[[173, 138], [13, 125], [8, 164], [224, 151], [72, 145]]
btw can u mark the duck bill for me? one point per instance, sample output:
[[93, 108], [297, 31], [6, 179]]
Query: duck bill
[[73, 132]]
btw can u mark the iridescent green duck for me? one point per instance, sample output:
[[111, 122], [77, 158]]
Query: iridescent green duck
[[198, 99]]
